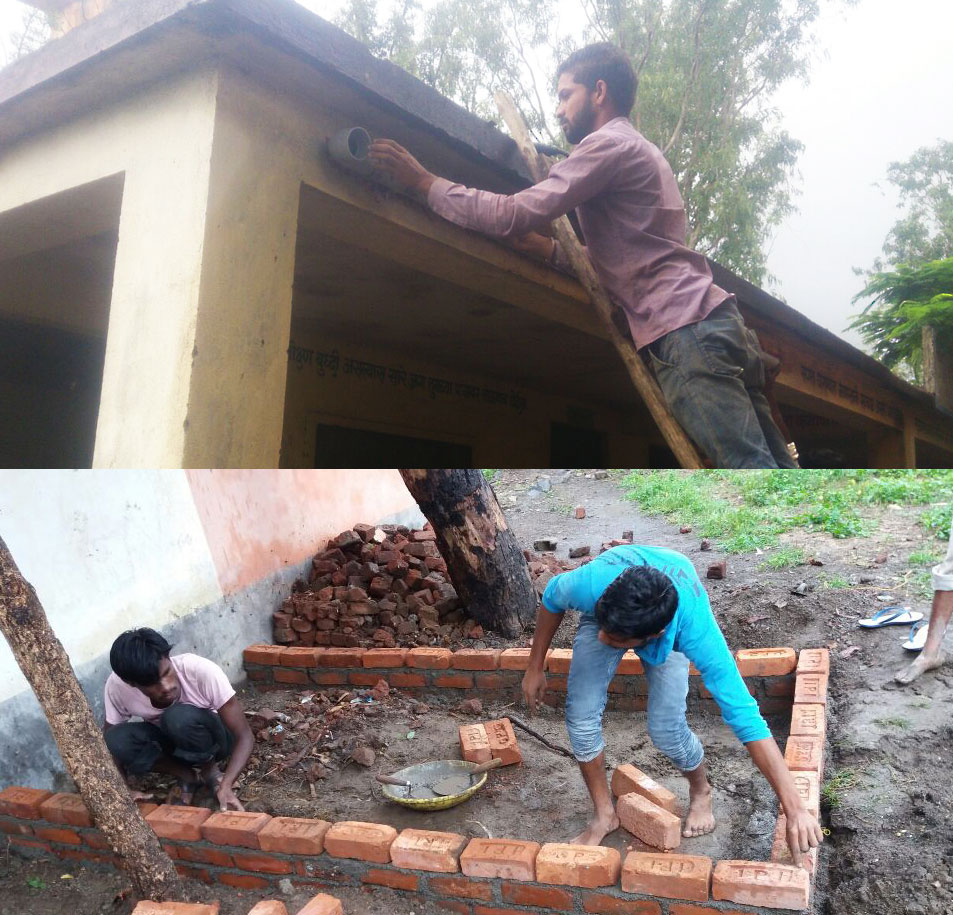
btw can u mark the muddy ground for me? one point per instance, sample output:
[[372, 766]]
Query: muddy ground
[[890, 756]]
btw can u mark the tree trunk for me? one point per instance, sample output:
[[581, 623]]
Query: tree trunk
[[46, 666], [484, 561]]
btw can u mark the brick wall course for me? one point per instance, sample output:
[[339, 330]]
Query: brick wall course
[[670, 876]]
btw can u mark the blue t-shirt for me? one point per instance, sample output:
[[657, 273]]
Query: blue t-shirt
[[693, 630]]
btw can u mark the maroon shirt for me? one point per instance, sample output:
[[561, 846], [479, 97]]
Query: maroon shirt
[[632, 217]]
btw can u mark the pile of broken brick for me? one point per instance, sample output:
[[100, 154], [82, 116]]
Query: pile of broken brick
[[386, 586]]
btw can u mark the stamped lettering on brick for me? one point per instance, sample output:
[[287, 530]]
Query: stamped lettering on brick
[[807, 720], [808, 788], [674, 867], [814, 661], [811, 688], [803, 753], [474, 743]]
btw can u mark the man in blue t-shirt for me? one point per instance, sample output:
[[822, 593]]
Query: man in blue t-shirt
[[651, 600]]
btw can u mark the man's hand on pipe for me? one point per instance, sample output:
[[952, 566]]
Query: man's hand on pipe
[[392, 159]]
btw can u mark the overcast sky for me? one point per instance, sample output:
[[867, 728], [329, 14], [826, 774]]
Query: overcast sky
[[880, 89]]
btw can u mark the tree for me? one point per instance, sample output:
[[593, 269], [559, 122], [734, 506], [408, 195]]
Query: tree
[[484, 561], [906, 301], [707, 70], [34, 32], [925, 232], [46, 666]]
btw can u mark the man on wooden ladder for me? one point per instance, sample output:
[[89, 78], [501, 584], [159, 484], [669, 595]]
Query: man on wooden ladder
[[634, 224]]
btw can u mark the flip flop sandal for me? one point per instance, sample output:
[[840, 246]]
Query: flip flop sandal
[[918, 637], [891, 616]]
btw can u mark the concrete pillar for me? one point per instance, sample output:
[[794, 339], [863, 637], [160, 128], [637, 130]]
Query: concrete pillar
[[909, 441], [938, 369], [200, 318]]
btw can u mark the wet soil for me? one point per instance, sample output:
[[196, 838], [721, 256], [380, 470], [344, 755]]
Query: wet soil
[[889, 804]]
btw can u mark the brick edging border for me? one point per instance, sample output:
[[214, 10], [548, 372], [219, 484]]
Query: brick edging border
[[253, 850]]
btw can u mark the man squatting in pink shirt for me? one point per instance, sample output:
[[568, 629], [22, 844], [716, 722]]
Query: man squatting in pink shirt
[[191, 718], [633, 220]]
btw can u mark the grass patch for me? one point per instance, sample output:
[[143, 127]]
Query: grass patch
[[923, 558], [748, 510], [834, 581], [784, 558], [894, 721], [832, 791]]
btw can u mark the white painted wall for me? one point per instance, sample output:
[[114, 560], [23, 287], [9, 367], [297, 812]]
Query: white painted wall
[[105, 551]]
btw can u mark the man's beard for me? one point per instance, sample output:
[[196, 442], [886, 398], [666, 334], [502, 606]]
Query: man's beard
[[583, 126]]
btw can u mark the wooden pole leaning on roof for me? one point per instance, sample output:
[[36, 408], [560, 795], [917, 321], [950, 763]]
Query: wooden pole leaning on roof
[[645, 384]]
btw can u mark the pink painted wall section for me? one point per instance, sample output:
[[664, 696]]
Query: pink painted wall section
[[256, 522]]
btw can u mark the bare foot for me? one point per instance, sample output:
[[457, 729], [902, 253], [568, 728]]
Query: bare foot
[[599, 827], [701, 819], [920, 666]]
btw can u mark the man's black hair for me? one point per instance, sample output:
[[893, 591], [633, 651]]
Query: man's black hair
[[609, 63], [639, 603], [136, 654]]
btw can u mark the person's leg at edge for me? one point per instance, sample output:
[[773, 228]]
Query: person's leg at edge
[[669, 731], [932, 655], [593, 666]]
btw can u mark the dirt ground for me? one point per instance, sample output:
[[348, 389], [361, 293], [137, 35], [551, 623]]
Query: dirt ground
[[890, 792]]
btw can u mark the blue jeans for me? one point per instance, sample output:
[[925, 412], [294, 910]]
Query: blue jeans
[[593, 667], [713, 381]]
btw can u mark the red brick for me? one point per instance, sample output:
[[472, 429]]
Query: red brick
[[342, 657], [66, 808], [588, 866], [424, 850], [502, 741], [811, 688], [490, 681], [454, 681], [147, 907], [648, 822], [322, 904], [766, 662], [264, 864], [291, 675], [364, 841], [557, 684], [234, 828], [808, 785], [461, 886], [476, 659], [808, 720], [474, 743], [300, 657], [775, 886], [429, 658], [23, 802], [59, 834], [24, 842], [814, 661], [15, 827], [329, 677], [560, 660], [244, 881], [268, 907], [384, 657], [669, 876], [781, 852], [145, 808], [263, 654], [194, 873], [294, 836], [394, 879], [518, 659], [804, 754], [183, 823], [601, 904], [406, 680], [544, 897], [510, 859], [627, 779], [630, 665], [198, 854], [365, 678]]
